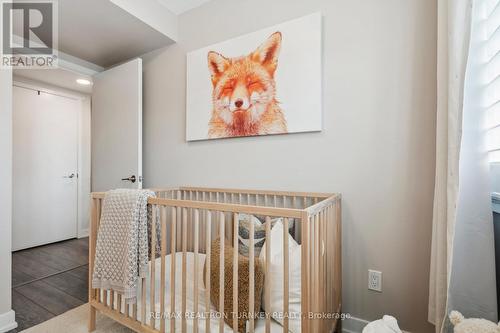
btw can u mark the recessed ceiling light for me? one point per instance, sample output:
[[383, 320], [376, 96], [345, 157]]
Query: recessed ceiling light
[[84, 82]]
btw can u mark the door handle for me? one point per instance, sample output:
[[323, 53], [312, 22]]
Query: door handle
[[130, 179], [70, 176]]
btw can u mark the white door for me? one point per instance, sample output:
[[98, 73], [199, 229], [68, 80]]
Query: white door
[[117, 127], [45, 165]]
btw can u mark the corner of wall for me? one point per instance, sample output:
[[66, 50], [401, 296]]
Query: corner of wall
[[7, 317]]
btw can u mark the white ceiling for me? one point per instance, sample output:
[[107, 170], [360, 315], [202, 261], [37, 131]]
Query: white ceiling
[[102, 33], [55, 77], [97, 34], [108, 32], [180, 6]]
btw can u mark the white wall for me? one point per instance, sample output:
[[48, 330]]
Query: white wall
[[377, 146], [6, 314], [495, 177]]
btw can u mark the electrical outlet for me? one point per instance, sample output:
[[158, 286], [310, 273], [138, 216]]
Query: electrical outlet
[[375, 280]]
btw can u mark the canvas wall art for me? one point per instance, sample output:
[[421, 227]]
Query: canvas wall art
[[266, 82]]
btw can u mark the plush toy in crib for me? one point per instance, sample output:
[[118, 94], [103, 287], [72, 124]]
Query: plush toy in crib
[[387, 324], [472, 325]]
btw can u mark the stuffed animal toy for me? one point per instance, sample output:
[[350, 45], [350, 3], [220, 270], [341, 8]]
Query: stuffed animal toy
[[387, 324], [472, 325]]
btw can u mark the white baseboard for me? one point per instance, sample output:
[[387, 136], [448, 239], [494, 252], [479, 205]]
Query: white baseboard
[[83, 233], [355, 325], [7, 321]]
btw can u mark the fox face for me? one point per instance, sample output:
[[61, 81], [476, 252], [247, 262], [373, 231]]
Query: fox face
[[244, 92]]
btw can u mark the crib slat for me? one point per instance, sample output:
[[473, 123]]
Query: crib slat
[[285, 275], [325, 263], [152, 282], [320, 268], [312, 267], [235, 272], [251, 301], [338, 252], [311, 271], [316, 270], [304, 271], [163, 276], [184, 269], [312, 290], [134, 310], [320, 255], [221, 272], [119, 302], [330, 264], [195, 287], [112, 299], [98, 209], [208, 235], [92, 245], [331, 259], [173, 238], [143, 302], [267, 285], [203, 217]]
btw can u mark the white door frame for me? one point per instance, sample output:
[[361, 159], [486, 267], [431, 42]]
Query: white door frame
[[84, 147]]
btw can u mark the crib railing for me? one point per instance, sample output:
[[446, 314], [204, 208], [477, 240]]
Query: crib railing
[[190, 218], [279, 199]]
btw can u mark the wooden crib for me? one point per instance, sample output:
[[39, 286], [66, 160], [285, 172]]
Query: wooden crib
[[191, 217]]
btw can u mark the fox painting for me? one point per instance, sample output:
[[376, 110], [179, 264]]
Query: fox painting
[[244, 93]]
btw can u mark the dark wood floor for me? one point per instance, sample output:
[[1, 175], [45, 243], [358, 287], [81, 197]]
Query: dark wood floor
[[48, 281]]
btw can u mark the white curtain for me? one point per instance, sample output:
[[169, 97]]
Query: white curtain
[[472, 288], [462, 262], [453, 41]]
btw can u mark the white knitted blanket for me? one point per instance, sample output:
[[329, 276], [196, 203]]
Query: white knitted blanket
[[122, 248]]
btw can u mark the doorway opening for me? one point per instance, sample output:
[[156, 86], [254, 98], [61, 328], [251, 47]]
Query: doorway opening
[[51, 188]]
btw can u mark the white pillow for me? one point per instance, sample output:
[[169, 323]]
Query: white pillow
[[275, 277], [277, 241]]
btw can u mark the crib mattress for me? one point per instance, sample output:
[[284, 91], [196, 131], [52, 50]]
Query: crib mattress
[[190, 276]]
